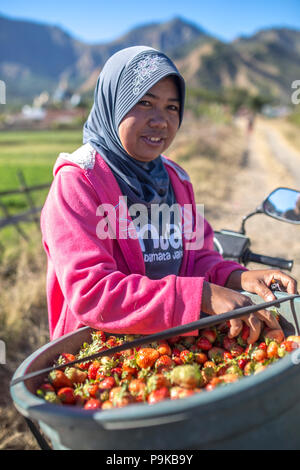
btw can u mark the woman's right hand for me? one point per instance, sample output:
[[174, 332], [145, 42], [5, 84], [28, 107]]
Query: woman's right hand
[[217, 300]]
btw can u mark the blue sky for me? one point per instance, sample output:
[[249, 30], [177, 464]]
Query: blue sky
[[100, 21]]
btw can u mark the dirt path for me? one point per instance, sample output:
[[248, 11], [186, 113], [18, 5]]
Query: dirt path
[[268, 162]]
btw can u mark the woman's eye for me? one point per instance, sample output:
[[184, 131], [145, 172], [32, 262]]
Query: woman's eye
[[145, 103], [173, 107]]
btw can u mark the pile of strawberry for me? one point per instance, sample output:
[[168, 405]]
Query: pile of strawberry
[[169, 369]]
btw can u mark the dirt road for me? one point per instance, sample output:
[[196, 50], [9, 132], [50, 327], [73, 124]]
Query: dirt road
[[268, 161]]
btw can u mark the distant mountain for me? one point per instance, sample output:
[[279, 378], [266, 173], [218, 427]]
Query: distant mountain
[[35, 57]]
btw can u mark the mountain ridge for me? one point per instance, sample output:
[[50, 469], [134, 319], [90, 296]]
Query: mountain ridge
[[39, 56]]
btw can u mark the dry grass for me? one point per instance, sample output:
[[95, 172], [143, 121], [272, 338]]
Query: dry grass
[[212, 154], [23, 327]]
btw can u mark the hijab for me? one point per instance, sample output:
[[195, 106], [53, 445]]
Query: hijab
[[124, 80]]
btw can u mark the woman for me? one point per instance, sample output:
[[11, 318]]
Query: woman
[[102, 269]]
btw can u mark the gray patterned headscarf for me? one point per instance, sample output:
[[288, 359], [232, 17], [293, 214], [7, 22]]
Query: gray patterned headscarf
[[124, 80]]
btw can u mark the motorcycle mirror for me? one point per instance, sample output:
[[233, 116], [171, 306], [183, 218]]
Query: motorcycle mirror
[[283, 204]]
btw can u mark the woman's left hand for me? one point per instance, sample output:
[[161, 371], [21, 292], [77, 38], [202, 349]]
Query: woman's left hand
[[259, 282]]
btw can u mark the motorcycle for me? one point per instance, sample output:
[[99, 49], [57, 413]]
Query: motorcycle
[[282, 204]]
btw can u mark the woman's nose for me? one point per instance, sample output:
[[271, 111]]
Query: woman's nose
[[158, 120]]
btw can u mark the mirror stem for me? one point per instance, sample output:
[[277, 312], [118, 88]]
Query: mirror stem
[[242, 229]]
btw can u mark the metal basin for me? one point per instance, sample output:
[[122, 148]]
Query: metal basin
[[257, 412]]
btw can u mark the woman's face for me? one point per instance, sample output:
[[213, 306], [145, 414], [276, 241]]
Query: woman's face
[[150, 126]]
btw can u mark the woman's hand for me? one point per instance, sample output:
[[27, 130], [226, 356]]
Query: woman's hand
[[217, 300], [259, 282]]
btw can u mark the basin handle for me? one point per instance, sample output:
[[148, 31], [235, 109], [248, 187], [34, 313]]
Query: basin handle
[[144, 422]]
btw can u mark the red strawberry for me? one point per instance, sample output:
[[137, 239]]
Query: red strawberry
[[228, 343], [204, 344], [68, 357], [245, 332], [200, 358], [164, 363], [107, 383], [158, 395], [146, 357], [211, 335], [92, 404], [117, 370], [164, 348], [227, 356], [186, 356], [58, 379], [242, 362], [101, 335], [93, 369], [66, 395]]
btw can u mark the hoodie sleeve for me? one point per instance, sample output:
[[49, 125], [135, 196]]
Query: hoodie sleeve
[[98, 294]]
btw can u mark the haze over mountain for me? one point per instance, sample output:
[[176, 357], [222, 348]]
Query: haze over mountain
[[38, 57]]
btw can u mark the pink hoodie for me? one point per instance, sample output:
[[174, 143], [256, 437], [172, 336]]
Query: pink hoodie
[[102, 283]]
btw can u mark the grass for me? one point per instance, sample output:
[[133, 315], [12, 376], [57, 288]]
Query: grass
[[34, 153]]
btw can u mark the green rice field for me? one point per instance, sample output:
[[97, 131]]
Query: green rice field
[[34, 153]]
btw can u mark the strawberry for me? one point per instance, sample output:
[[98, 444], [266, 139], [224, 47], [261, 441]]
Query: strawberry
[[200, 358], [146, 357], [120, 397], [157, 381], [164, 363], [107, 383], [187, 376], [130, 366], [186, 356], [211, 335], [216, 354], [228, 343], [236, 350], [242, 363], [111, 342], [93, 404], [66, 395], [107, 405], [117, 370], [93, 369], [67, 358], [272, 350], [289, 345], [164, 349], [259, 355], [227, 356], [76, 376], [58, 379], [158, 395], [93, 390], [101, 335], [245, 332], [180, 392], [204, 344], [137, 388]]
